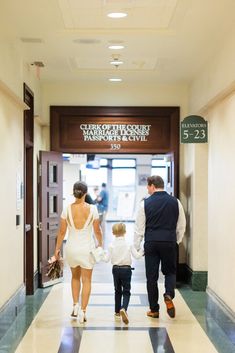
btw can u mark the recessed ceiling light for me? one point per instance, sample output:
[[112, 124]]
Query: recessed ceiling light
[[115, 79], [116, 62], [116, 47], [117, 14]]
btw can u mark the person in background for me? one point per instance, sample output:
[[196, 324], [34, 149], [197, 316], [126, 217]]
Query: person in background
[[119, 252], [96, 192], [102, 205], [81, 219], [89, 200], [161, 221]]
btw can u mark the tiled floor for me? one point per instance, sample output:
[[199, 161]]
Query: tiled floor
[[51, 329]]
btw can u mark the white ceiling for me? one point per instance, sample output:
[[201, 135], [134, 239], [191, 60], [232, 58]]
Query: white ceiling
[[166, 41]]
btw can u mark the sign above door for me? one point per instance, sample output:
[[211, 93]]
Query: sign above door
[[112, 130]]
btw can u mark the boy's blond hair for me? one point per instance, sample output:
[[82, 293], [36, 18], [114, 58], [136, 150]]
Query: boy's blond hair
[[119, 229]]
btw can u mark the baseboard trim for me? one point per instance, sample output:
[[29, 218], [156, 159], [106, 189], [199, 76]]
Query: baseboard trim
[[196, 279], [221, 313], [215, 302], [11, 309]]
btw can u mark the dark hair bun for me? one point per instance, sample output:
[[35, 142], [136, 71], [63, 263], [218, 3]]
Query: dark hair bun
[[79, 189], [78, 194]]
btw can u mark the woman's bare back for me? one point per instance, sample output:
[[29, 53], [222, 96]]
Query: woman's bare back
[[80, 213]]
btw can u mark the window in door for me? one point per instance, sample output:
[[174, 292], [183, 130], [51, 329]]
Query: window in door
[[159, 167], [123, 187], [95, 174]]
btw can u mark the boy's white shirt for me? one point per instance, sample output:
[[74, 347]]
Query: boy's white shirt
[[119, 252]]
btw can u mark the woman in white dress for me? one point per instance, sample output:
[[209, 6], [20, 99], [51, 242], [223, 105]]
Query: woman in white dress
[[81, 219]]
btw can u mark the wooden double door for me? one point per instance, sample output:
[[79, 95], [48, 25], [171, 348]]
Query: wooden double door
[[50, 199]]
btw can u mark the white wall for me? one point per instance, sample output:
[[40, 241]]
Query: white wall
[[13, 73], [106, 94], [11, 156], [216, 77], [199, 246], [221, 190], [211, 94], [11, 66]]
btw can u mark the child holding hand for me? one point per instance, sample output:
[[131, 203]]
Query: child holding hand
[[119, 252]]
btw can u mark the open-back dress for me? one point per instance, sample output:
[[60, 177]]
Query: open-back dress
[[80, 242]]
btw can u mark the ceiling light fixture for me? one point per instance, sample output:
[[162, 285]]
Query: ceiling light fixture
[[116, 47], [117, 15], [115, 79], [116, 62], [37, 64]]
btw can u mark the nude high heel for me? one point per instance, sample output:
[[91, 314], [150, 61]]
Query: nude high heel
[[82, 316], [75, 311]]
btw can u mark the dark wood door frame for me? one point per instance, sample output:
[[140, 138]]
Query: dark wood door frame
[[28, 191]]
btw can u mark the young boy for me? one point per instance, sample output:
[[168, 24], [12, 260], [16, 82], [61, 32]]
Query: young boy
[[120, 255]]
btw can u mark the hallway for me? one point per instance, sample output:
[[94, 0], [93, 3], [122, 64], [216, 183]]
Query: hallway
[[44, 325], [117, 85]]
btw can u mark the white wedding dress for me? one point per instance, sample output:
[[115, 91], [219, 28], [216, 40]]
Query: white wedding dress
[[80, 242]]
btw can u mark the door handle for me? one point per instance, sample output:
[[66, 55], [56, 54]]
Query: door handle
[[27, 227], [40, 226]]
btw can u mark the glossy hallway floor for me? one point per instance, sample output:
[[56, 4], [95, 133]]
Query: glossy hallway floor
[[44, 325]]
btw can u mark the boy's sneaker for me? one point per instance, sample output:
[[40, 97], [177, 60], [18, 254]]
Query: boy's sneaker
[[124, 316], [153, 314], [170, 308], [117, 316]]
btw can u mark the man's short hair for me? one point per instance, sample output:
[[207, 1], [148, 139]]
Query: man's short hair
[[156, 180], [103, 185]]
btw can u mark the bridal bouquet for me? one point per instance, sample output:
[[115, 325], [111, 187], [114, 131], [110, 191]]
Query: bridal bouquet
[[55, 268]]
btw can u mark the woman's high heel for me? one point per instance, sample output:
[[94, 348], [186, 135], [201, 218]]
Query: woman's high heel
[[82, 316], [75, 311]]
